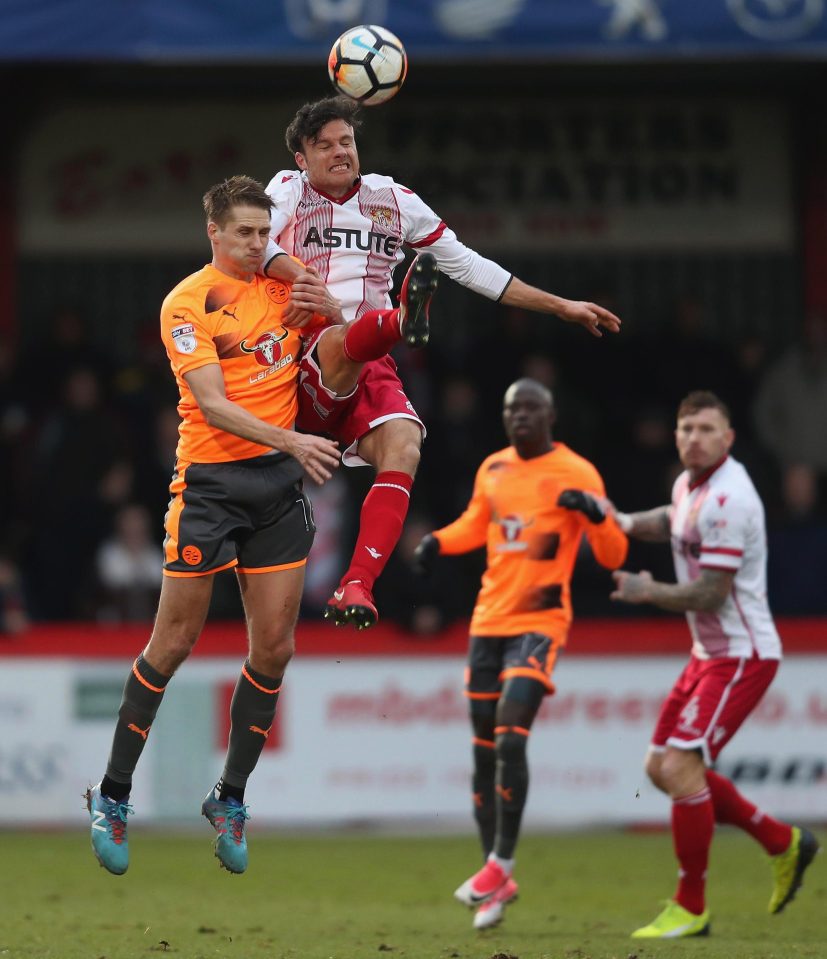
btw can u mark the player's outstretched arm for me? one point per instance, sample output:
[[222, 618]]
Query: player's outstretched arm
[[653, 525], [589, 315], [706, 594], [318, 456]]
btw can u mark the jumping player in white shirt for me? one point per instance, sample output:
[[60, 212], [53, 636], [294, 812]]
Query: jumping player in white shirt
[[716, 526], [349, 228]]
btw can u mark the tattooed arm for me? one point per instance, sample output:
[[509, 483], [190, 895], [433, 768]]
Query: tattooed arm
[[652, 525], [706, 594]]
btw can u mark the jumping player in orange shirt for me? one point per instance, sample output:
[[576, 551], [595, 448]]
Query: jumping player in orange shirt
[[531, 505], [237, 502]]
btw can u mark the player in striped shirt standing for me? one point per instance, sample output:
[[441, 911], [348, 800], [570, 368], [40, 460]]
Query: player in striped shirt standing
[[717, 530], [350, 228], [532, 504]]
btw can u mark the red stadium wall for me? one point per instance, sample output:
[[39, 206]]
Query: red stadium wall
[[589, 637]]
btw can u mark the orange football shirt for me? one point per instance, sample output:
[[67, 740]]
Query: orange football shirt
[[211, 317], [532, 543]]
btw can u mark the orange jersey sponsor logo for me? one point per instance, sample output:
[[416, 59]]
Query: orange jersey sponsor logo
[[267, 348], [512, 528], [532, 543]]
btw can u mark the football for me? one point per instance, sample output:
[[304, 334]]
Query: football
[[368, 64]]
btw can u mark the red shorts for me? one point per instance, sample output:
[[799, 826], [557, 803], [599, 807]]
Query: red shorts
[[377, 397], [710, 700]]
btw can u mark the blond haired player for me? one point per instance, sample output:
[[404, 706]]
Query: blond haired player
[[237, 503], [532, 503]]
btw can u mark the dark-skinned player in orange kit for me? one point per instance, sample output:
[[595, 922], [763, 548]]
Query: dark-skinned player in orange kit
[[531, 505]]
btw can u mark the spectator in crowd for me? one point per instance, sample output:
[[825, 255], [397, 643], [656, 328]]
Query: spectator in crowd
[[15, 420], [455, 441], [129, 568], [791, 405], [327, 553], [798, 545], [13, 617], [683, 347], [157, 443], [67, 344], [81, 473], [425, 606]]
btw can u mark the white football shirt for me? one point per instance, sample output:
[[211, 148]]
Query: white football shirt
[[356, 241], [718, 523]]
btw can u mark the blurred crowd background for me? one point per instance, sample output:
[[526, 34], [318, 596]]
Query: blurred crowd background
[[718, 272]]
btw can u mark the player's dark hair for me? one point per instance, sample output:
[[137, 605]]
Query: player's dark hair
[[234, 191], [308, 121], [699, 400]]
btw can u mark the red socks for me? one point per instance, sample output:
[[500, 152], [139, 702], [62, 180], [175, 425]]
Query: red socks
[[693, 823], [372, 336], [731, 807], [380, 525]]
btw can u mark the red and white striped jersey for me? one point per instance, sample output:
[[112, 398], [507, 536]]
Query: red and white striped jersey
[[718, 523], [356, 241]]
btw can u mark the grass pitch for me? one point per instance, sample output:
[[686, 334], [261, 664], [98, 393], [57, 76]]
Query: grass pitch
[[358, 897]]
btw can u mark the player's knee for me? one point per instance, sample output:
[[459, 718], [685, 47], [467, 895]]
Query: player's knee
[[339, 372], [271, 652], [394, 445], [403, 457], [511, 746], [681, 772], [485, 756], [168, 651], [483, 715], [521, 699], [652, 767]]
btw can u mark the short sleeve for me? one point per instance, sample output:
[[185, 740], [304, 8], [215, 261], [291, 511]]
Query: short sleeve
[[724, 526], [186, 337], [285, 191]]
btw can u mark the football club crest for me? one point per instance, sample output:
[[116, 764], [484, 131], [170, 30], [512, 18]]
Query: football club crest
[[381, 216], [277, 291]]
